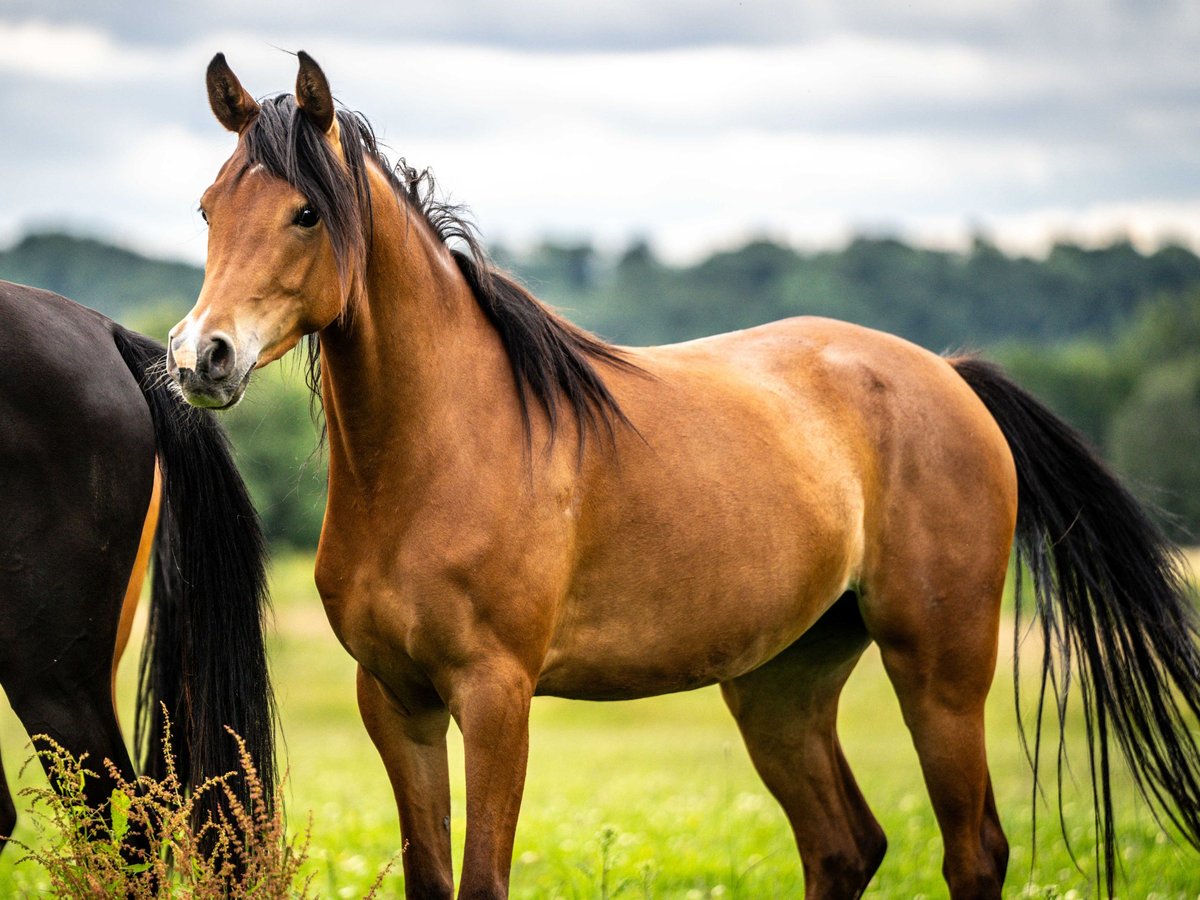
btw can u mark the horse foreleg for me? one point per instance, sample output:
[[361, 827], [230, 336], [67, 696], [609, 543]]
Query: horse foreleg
[[411, 739], [491, 706], [787, 713]]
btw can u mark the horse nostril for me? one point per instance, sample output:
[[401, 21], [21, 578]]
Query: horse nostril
[[216, 361]]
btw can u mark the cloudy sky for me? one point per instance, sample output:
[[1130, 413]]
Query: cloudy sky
[[694, 123]]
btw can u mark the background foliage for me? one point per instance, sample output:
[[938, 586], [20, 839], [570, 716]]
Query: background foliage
[[1109, 337]]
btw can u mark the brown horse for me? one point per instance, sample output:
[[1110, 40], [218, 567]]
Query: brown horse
[[517, 508]]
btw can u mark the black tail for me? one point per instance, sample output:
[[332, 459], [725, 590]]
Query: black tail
[[203, 658], [1115, 608]]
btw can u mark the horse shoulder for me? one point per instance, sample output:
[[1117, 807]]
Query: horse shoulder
[[448, 576]]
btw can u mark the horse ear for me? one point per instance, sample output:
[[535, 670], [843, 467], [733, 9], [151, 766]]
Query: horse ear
[[312, 93], [231, 103]]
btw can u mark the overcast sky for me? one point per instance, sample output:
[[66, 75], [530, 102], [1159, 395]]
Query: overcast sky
[[694, 124]]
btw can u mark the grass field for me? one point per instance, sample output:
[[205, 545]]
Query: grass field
[[654, 798]]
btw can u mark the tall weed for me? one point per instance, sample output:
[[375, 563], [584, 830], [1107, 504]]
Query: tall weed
[[141, 843]]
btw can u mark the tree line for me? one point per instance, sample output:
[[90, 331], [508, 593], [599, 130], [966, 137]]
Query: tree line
[[1109, 336]]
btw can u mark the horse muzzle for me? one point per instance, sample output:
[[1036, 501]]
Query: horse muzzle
[[208, 371]]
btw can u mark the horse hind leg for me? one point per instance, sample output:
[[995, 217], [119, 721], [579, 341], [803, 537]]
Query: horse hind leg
[[787, 713], [938, 634]]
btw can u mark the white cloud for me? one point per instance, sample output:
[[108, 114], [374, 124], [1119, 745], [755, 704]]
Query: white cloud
[[71, 53], [705, 88], [149, 168], [582, 180], [838, 127], [1147, 224]]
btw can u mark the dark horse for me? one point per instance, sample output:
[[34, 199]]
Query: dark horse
[[86, 411], [516, 507]]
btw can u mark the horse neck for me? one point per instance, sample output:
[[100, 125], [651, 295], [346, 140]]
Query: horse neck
[[411, 373]]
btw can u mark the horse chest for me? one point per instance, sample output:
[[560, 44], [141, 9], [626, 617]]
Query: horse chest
[[422, 603]]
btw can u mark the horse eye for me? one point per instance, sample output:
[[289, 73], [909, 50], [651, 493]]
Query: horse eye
[[307, 217], [203, 214]]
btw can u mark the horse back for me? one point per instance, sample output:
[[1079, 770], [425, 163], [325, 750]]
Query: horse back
[[62, 372], [890, 421], [772, 470]]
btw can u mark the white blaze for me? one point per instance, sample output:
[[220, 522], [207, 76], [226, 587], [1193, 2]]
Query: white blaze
[[185, 356], [185, 352]]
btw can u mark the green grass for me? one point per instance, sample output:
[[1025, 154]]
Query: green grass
[[652, 798]]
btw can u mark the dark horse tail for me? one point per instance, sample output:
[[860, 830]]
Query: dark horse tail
[[203, 658], [1115, 608]]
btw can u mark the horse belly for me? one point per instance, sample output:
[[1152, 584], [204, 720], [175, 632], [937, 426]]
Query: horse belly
[[688, 610]]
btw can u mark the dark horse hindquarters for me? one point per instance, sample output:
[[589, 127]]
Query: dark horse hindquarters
[[84, 411], [76, 472]]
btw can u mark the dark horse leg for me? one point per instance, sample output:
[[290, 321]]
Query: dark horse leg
[[8, 812], [787, 713], [937, 629], [62, 690], [59, 627], [81, 721]]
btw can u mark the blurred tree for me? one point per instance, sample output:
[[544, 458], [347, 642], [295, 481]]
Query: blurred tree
[[1154, 440], [560, 267], [1085, 328], [276, 444], [1084, 381], [155, 318], [637, 258], [1164, 328], [116, 282]]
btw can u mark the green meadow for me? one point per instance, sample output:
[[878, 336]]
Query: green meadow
[[653, 798]]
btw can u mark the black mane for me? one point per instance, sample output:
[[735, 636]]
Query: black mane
[[552, 359]]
